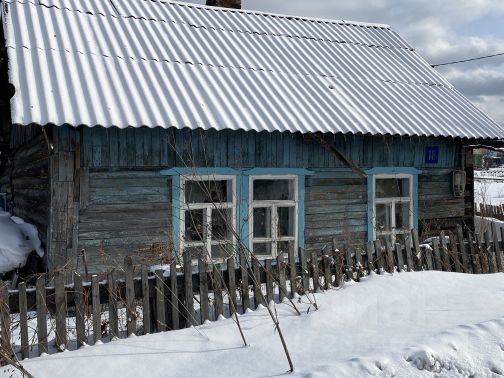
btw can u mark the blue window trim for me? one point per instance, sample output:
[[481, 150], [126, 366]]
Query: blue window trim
[[242, 192], [391, 171]]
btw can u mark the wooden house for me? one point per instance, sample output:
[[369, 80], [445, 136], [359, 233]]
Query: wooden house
[[115, 114]]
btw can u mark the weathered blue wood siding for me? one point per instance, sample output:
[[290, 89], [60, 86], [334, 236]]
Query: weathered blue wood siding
[[126, 203]]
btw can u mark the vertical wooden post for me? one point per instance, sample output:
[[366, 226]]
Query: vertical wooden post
[[475, 258], [358, 262], [409, 254], [370, 256], [41, 315], [482, 254], [95, 293], [231, 268], [282, 281], [327, 272], [463, 250], [445, 256], [218, 300], [492, 263], [61, 310], [305, 277], [292, 272], [175, 312], [269, 281], [437, 254], [130, 296], [188, 286], [160, 302], [348, 264], [112, 289], [80, 310], [455, 252], [315, 270], [338, 265], [146, 301], [5, 317], [497, 248], [399, 257], [203, 289], [379, 255], [23, 321], [417, 258], [245, 296], [257, 282]]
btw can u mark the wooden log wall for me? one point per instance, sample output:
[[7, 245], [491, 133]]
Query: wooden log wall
[[124, 204]]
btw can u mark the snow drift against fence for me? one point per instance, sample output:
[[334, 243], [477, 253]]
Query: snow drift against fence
[[17, 240]]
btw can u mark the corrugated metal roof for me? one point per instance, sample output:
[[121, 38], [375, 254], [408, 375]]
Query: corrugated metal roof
[[169, 64]]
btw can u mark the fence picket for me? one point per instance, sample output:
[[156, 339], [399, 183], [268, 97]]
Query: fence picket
[[417, 258], [5, 317], [358, 262], [23, 320], [370, 256], [282, 280], [327, 272], [146, 301], [348, 264], [380, 258], [481, 250], [174, 296], [61, 309], [269, 281], [305, 276], [475, 258], [445, 255], [80, 310], [112, 290], [231, 283], [203, 289], [409, 255], [95, 302], [41, 315], [463, 250], [257, 282], [497, 247], [492, 263], [389, 257], [338, 265], [161, 325], [399, 257], [130, 296], [245, 295], [292, 272], [315, 270], [188, 290], [437, 255], [218, 300]]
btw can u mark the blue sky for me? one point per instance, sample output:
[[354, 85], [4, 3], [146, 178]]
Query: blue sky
[[441, 30]]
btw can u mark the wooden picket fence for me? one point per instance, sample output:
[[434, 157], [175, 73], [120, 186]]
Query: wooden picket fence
[[490, 211], [118, 305]]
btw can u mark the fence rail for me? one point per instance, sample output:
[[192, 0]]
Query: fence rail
[[490, 211], [67, 316]]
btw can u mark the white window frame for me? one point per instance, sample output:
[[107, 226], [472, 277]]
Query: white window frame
[[209, 207], [393, 200], [274, 204]]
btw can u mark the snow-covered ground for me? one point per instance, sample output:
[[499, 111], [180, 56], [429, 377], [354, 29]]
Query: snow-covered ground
[[425, 324], [489, 191]]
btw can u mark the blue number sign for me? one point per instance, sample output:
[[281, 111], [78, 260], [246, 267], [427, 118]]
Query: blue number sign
[[431, 154]]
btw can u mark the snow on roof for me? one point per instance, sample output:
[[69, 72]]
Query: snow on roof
[[170, 64]]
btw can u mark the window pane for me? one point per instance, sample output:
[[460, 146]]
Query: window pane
[[402, 215], [273, 190], [222, 224], [194, 225], [383, 217], [196, 252], [218, 191], [284, 247], [262, 222], [222, 251], [262, 250], [285, 221], [386, 188]]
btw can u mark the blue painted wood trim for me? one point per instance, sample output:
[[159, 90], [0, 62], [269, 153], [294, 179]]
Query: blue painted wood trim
[[203, 171], [243, 211], [391, 171], [278, 171], [176, 213]]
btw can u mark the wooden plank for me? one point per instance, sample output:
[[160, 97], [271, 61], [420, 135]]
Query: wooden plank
[[160, 302], [327, 272], [175, 312], [379, 255], [497, 247], [95, 293], [231, 286], [257, 282], [188, 291], [348, 264], [23, 320], [146, 301], [389, 257], [409, 255], [463, 250], [269, 281], [437, 255], [416, 250], [130, 297], [292, 272], [218, 300], [483, 256], [370, 256], [399, 257], [245, 296], [455, 253], [61, 310], [112, 290], [305, 276], [282, 280], [203, 289], [315, 270], [475, 258], [338, 265], [492, 260], [445, 255], [42, 315], [5, 319], [358, 261]]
